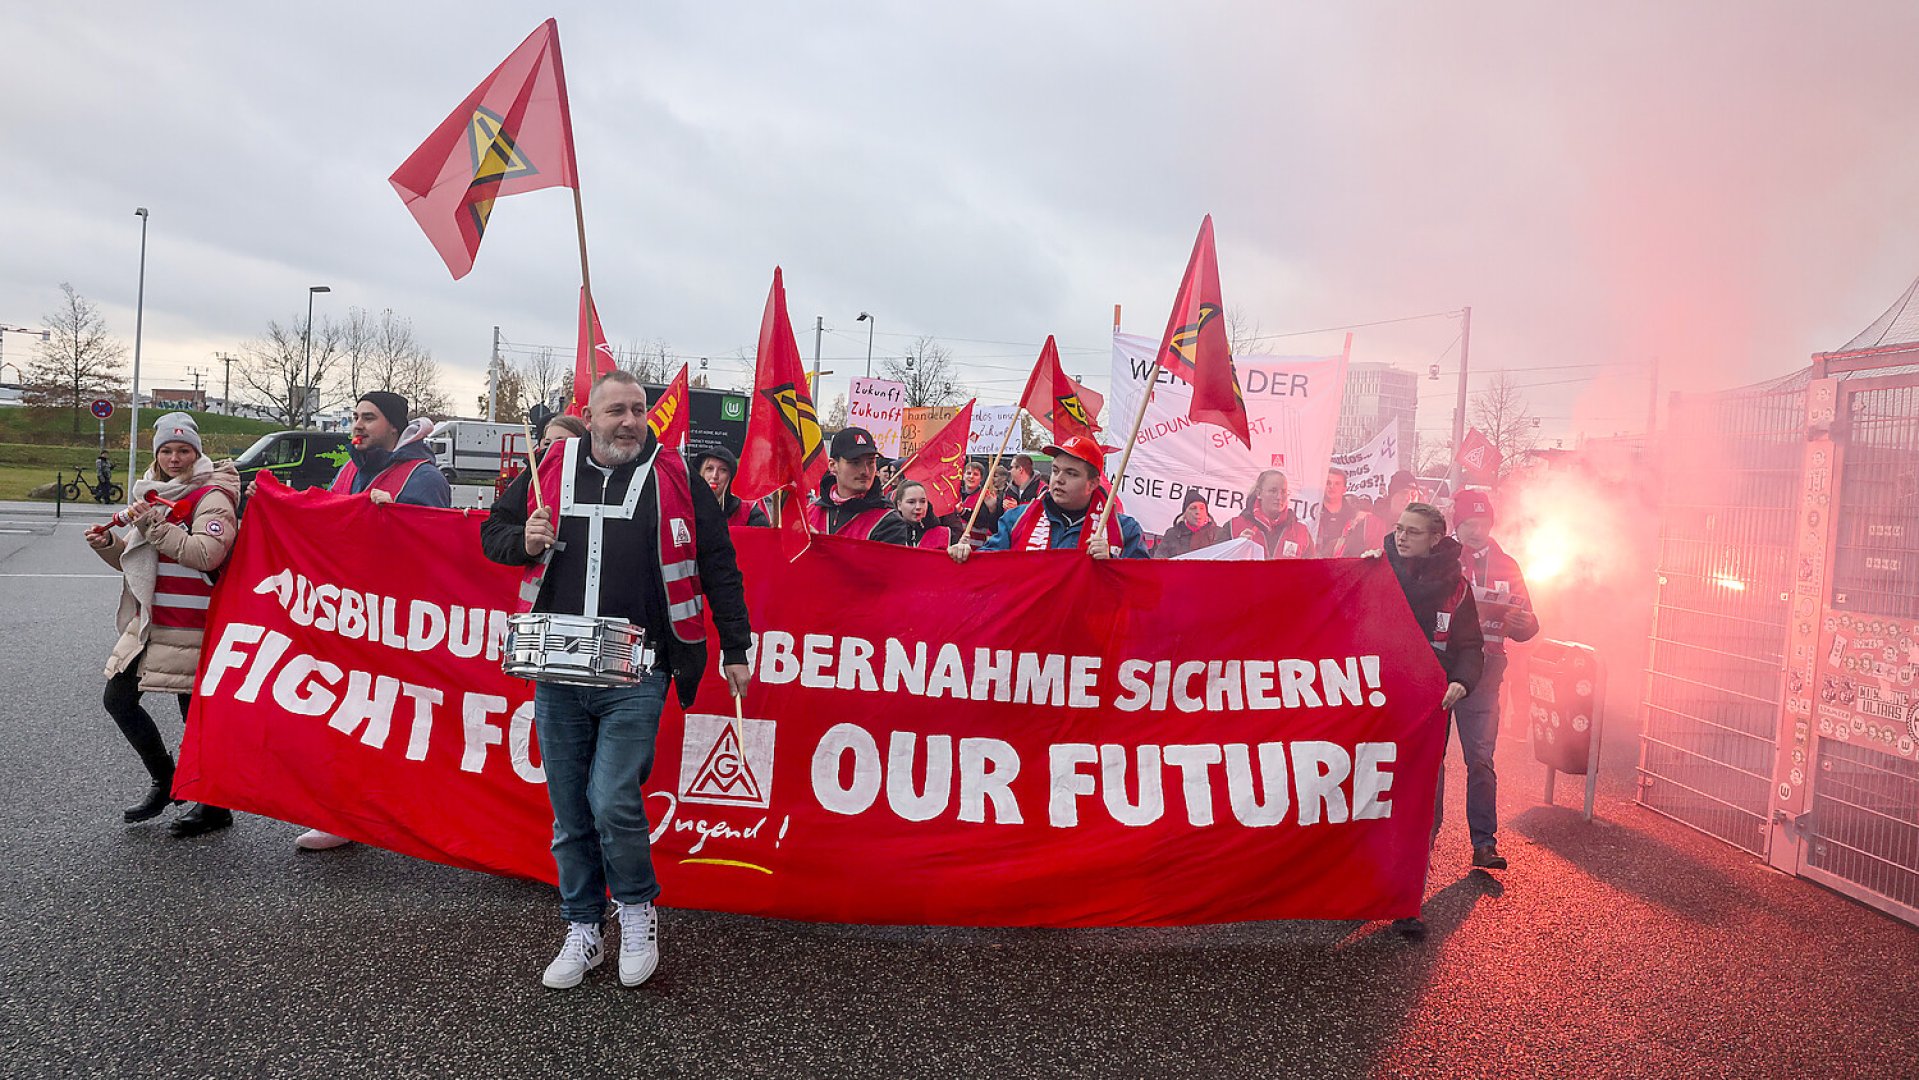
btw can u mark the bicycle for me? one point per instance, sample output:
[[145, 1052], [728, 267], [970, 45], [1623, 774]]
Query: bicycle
[[104, 492]]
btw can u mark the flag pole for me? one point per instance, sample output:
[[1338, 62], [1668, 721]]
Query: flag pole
[[533, 465], [1139, 419], [988, 478], [579, 223]]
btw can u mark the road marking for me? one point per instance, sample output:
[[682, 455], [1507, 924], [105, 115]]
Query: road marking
[[62, 575]]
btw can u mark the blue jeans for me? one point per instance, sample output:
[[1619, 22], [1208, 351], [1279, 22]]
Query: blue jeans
[[596, 745], [1477, 718]]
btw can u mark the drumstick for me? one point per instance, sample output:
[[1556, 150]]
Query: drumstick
[[533, 465], [739, 723]]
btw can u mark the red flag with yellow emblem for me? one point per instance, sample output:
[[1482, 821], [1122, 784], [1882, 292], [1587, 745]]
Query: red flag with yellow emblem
[[1195, 348], [1063, 406], [783, 447], [512, 134], [940, 461], [670, 418]]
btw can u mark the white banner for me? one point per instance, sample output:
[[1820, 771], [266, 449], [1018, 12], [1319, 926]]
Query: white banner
[[1369, 468], [878, 405], [1292, 407], [990, 425]]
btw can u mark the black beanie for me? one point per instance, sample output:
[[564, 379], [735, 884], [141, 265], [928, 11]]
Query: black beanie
[[391, 405]]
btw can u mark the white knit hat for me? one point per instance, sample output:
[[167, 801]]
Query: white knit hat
[[176, 427]]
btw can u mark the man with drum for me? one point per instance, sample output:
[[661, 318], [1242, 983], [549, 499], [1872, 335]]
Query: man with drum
[[617, 534]]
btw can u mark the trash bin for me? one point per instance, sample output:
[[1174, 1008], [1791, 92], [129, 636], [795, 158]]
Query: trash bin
[[1565, 692]]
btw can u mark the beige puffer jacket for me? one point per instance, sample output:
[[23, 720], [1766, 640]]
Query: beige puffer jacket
[[171, 654]]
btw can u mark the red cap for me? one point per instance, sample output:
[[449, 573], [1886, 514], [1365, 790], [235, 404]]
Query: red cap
[[1472, 504], [1082, 447]]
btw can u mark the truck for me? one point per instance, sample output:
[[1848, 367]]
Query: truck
[[471, 451]]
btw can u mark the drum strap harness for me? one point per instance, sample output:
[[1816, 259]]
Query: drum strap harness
[[679, 565]]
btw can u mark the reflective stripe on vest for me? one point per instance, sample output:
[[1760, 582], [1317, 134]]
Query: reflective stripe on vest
[[673, 506], [391, 480], [181, 595]]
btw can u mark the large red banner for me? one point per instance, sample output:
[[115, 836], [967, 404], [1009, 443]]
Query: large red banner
[[1030, 739]]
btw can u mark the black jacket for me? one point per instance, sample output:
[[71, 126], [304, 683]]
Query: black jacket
[[755, 517], [1180, 540], [989, 515], [1430, 583], [1033, 489], [890, 529], [631, 587]]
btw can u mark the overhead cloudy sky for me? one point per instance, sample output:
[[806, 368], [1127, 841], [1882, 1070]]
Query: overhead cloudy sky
[[1727, 187]]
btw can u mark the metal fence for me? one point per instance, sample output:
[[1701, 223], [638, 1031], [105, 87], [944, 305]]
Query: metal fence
[[1714, 675], [1865, 819], [1876, 554]]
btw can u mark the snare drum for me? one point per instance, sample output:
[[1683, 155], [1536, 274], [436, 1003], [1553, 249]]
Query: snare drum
[[576, 649]]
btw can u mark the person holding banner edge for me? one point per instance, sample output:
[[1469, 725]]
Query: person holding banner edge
[[1065, 514], [596, 743], [1426, 563]]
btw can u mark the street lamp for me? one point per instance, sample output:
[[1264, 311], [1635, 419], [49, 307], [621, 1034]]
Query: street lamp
[[306, 358], [139, 319], [870, 323]]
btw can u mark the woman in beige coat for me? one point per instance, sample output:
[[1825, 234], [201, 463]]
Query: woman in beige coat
[[167, 556]]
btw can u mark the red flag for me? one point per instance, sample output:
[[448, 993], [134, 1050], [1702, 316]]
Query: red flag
[[1063, 406], [1477, 454], [783, 447], [1195, 348], [940, 461], [513, 133], [592, 356], [671, 416]]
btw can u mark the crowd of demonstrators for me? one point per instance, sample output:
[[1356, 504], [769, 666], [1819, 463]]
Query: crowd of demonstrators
[[1269, 520], [388, 459], [1193, 530], [1505, 613], [388, 462], [597, 743], [718, 466], [167, 556], [1062, 516]]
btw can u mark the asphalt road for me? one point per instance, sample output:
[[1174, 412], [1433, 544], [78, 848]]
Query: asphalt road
[[1634, 947]]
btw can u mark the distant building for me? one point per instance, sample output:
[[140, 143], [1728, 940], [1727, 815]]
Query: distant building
[[1376, 395], [195, 400]]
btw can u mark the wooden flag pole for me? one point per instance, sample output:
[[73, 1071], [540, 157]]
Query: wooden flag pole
[[988, 478], [1139, 419], [739, 723], [586, 277]]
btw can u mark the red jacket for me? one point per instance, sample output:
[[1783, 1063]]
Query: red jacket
[[1286, 538], [1499, 587]]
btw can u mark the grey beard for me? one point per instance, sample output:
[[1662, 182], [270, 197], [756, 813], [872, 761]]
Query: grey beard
[[606, 454]]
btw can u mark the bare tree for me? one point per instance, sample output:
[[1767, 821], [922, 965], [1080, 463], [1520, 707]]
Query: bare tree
[[381, 353], [836, 415], [1435, 455], [1242, 331], [650, 362], [77, 362], [1500, 413], [928, 374], [274, 367], [546, 378], [1031, 435]]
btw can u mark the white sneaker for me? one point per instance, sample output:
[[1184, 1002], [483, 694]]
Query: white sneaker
[[639, 943], [315, 840], [581, 953]]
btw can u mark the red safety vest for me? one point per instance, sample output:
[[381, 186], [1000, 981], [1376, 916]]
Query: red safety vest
[[679, 547], [860, 528], [1024, 530], [741, 513], [391, 479], [181, 593], [937, 538]]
